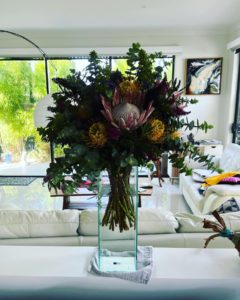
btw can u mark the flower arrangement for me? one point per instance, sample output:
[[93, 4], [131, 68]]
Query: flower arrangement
[[107, 120]]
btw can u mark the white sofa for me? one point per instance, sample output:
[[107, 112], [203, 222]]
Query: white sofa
[[215, 195], [157, 227]]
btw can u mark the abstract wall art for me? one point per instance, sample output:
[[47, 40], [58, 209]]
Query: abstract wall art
[[203, 76]]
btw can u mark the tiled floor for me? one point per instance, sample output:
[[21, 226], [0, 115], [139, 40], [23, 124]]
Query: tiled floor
[[167, 196]]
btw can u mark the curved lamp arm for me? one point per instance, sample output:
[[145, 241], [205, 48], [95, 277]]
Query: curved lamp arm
[[39, 49]]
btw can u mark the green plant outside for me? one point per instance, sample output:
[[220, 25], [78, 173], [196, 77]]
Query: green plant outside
[[22, 85]]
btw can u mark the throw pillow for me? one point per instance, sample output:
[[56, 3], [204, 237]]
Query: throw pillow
[[231, 180], [230, 205]]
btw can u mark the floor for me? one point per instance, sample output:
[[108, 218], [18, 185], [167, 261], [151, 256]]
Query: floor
[[167, 196]]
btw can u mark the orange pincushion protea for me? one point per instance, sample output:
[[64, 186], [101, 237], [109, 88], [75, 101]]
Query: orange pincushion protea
[[156, 130], [176, 135], [129, 90], [97, 135]]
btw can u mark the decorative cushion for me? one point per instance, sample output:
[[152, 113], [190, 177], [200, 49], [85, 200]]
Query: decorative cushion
[[150, 221], [156, 220], [230, 205], [26, 224], [193, 223], [230, 180]]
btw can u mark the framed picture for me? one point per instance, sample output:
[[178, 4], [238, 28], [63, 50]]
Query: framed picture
[[204, 76]]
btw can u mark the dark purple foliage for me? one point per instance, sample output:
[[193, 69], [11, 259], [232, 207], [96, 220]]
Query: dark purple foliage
[[113, 133]]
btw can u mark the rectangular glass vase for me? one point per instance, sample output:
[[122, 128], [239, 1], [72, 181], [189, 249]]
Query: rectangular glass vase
[[118, 220]]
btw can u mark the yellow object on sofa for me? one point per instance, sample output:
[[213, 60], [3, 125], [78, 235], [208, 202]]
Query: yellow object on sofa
[[217, 178]]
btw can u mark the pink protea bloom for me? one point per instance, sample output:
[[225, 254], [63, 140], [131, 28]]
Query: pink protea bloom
[[124, 113]]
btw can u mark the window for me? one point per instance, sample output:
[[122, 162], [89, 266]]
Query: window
[[22, 152]]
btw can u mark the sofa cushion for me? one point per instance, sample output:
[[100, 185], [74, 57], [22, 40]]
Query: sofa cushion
[[193, 223], [24, 224], [156, 220], [150, 221]]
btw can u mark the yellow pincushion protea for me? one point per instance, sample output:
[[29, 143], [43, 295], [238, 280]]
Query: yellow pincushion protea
[[128, 87], [175, 135], [97, 135], [156, 130]]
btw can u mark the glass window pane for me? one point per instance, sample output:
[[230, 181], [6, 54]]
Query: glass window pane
[[119, 64], [22, 85], [166, 63], [58, 68]]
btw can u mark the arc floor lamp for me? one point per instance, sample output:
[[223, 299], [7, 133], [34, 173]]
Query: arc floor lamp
[[41, 113]]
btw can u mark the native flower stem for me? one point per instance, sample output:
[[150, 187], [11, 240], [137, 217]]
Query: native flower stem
[[120, 209]]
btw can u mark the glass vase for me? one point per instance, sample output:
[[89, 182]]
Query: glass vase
[[118, 219]]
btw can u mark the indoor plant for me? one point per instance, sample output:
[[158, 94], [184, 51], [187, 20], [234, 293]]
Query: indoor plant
[[111, 121]]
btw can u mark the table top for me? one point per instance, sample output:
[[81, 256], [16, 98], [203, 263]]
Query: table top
[[175, 270]]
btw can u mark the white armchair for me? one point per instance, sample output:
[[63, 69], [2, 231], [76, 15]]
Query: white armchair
[[215, 195]]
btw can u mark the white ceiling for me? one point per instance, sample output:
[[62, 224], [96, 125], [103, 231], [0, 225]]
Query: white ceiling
[[57, 23], [44, 15]]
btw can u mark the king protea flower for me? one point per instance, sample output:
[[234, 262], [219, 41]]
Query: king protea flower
[[126, 113]]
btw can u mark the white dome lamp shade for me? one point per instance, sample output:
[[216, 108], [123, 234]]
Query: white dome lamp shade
[[41, 112]]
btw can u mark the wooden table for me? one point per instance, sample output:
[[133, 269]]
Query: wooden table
[[39, 272]]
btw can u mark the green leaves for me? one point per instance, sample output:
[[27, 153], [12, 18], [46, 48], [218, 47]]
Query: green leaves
[[141, 66], [191, 125], [194, 124], [205, 126]]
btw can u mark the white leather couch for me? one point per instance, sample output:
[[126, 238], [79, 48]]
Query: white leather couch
[[157, 227], [215, 195]]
